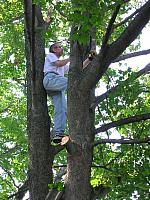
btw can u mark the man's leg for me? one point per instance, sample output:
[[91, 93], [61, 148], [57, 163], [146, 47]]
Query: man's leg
[[55, 86], [60, 107], [53, 82]]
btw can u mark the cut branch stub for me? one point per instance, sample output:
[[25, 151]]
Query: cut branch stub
[[64, 140], [71, 146]]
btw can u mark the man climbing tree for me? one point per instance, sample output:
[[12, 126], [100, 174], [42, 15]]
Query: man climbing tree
[[55, 84], [94, 168]]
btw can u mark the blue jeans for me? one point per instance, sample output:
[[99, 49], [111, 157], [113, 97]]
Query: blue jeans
[[55, 85]]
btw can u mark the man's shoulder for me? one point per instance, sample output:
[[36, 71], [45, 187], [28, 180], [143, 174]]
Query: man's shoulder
[[52, 57]]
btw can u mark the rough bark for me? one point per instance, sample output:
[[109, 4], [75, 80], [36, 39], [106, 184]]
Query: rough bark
[[81, 126], [81, 117], [40, 173]]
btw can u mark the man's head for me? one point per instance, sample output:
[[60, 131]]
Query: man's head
[[56, 48]]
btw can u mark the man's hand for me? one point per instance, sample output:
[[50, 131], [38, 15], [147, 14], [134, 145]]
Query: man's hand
[[92, 55]]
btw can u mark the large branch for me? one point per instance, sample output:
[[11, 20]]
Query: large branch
[[131, 55], [105, 95], [122, 141], [130, 33], [99, 65], [128, 120]]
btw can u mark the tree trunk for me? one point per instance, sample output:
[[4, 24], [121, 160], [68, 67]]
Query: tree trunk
[[39, 148], [40, 162], [81, 129]]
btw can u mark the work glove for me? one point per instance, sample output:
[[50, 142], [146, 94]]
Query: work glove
[[92, 55]]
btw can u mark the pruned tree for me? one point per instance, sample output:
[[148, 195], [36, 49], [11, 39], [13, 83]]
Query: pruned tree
[[94, 168]]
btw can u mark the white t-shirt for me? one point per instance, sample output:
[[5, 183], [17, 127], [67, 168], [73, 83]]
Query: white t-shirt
[[50, 66]]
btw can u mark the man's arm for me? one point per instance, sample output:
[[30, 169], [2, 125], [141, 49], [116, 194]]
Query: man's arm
[[61, 63]]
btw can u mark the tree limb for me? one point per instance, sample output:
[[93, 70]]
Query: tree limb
[[110, 25], [126, 19], [100, 64], [59, 11], [131, 55], [129, 35], [57, 149], [38, 15], [10, 175], [21, 191], [122, 141], [105, 95], [94, 166], [49, 18], [128, 120]]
